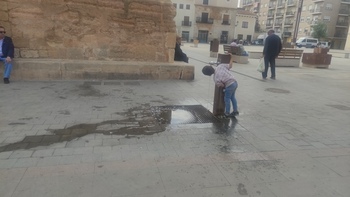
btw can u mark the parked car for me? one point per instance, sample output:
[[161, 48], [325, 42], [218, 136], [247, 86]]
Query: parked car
[[324, 44], [306, 42]]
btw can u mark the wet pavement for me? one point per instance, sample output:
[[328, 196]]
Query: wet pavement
[[159, 138]]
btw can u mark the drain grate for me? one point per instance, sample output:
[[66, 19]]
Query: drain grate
[[183, 114]]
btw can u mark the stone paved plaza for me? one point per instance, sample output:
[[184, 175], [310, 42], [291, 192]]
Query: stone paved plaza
[[102, 138]]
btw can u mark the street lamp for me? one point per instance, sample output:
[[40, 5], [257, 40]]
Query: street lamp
[[296, 28]]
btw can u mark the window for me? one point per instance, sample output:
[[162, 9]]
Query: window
[[225, 19], [175, 5], [307, 19], [310, 7], [244, 24], [302, 19], [205, 2], [329, 6], [304, 8], [188, 6], [181, 6], [326, 18]]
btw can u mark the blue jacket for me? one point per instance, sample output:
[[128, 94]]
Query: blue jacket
[[7, 48], [272, 46]]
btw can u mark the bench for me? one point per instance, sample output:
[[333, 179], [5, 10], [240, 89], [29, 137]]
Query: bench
[[289, 57], [238, 54]]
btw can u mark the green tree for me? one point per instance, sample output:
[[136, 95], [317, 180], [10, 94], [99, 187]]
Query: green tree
[[319, 30]]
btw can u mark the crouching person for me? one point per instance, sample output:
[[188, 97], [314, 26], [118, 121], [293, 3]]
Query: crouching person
[[224, 78]]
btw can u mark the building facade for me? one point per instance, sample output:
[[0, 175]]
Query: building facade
[[281, 15], [205, 20]]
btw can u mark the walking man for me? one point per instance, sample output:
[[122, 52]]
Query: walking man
[[6, 54], [272, 48]]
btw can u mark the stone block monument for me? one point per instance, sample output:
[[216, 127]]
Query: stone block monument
[[84, 30]]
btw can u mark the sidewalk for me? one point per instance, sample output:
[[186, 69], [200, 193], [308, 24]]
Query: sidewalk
[[105, 138]]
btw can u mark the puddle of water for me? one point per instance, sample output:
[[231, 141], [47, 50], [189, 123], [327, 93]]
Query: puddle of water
[[139, 121]]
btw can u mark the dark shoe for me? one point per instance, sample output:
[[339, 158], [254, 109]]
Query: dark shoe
[[264, 78], [6, 81], [274, 78]]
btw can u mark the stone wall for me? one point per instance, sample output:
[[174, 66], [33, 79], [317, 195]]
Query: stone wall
[[122, 30]]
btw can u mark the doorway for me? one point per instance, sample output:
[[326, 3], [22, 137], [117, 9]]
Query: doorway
[[203, 36]]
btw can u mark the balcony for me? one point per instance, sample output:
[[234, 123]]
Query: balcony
[[247, 2], [342, 24], [287, 34], [204, 20], [344, 12], [186, 23], [316, 11], [345, 1], [280, 5], [316, 1], [340, 35], [269, 25], [277, 24], [291, 3], [288, 23], [290, 14], [272, 6], [278, 15], [270, 15], [225, 23]]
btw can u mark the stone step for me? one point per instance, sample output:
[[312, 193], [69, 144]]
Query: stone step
[[59, 69]]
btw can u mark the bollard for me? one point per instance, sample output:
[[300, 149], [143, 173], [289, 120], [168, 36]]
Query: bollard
[[219, 104], [195, 43], [214, 48]]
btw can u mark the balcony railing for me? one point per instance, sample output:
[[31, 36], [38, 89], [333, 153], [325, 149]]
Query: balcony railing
[[279, 14], [290, 13], [345, 1], [291, 3], [278, 24], [187, 23], [288, 23], [270, 15], [316, 11], [226, 23], [340, 35], [204, 20], [342, 23], [344, 11], [287, 34], [247, 2], [280, 4]]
